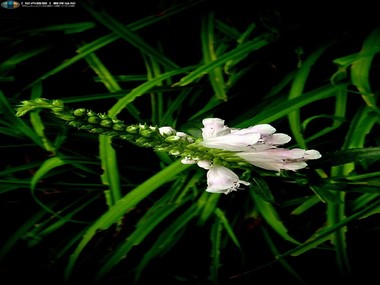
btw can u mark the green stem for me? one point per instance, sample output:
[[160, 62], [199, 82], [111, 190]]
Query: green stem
[[144, 135]]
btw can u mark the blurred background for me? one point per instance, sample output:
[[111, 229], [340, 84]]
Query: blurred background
[[82, 208]]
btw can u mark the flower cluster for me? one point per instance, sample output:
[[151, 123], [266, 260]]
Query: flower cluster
[[257, 145], [220, 149]]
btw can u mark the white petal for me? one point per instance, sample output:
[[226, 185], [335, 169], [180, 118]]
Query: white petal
[[276, 159], [214, 127], [264, 129], [277, 139], [223, 180], [262, 160], [204, 164], [187, 160], [232, 142], [297, 165], [166, 131], [312, 154], [284, 153]]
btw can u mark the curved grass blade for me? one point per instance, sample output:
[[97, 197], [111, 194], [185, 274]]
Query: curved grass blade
[[68, 28], [20, 233], [209, 207], [17, 123], [268, 212], [241, 50], [209, 55], [168, 238], [46, 167], [131, 37], [110, 38], [226, 225], [114, 214], [20, 57], [280, 107], [296, 90], [324, 234], [143, 89], [361, 67], [285, 264], [216, 244], [149, 222]]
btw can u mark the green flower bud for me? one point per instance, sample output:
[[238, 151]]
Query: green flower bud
[[91, 113], [93, 120], [132, 129], [146, 133], [96, 130], [57, 103], [41, 101], [174, 152], [110, 133], [117, 121], [118, 126], [80, 112], [106, 122], [75, 124], [104, 117], [86, 127], [126, 137], [172, 138], [142, 141]]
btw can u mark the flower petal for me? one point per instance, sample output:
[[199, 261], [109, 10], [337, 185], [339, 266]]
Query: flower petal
[[280, 158], [204, 164], [312, 154], [223, 180], [277, 139], [187, 160], [214, 127], [233, 141], [264, 129], [167, 131], [276, 159]]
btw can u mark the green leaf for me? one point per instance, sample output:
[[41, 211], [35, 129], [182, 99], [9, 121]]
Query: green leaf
[[269, 213], [242, 49], [209, 55], [340, 157], [114, 214]]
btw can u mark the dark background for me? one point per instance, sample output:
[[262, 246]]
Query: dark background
[[301, 23]]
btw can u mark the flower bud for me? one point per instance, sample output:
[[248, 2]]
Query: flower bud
[[145, 133], [80, 112], [132, 129], [166, 131], [106, 122], [172, 138], [174, 152], [118, 126], [96, 130], [91, 113], [93, 120], [57, 103], [75, 124]]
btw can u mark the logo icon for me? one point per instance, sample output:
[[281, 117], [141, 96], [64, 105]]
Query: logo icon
[[10, 4]]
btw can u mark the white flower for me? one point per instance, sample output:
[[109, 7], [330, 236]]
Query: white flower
[[188, 160], [214, 127], [257, 145], [204, 164], [167, 131], [216, 135], [280, 158], [223, 180]]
